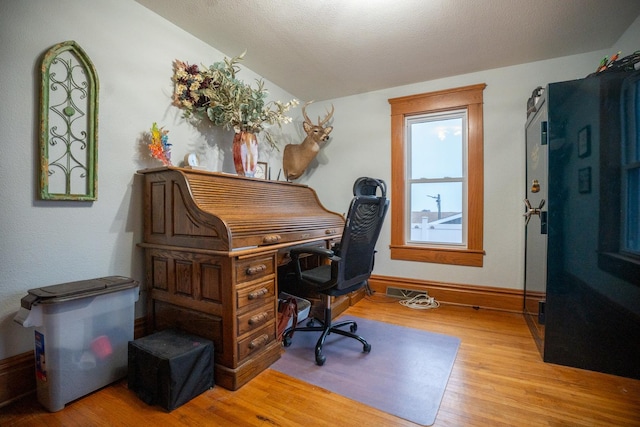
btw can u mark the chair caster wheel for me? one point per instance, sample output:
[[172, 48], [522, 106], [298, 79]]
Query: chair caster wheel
[[286, 341], [353, 328], [320, 359], [366, 348]]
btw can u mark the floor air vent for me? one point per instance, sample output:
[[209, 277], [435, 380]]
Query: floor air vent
[[403, 293]]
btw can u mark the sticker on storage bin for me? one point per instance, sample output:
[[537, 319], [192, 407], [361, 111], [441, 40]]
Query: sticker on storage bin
[[41, 364]]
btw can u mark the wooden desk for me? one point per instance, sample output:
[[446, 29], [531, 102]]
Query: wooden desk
[[213, 243]]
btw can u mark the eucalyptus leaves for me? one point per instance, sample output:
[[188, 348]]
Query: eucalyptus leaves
[[216, 93]]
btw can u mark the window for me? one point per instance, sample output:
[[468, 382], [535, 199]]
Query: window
[[436, 181], [437, 177], [619, 199], [630, 169]]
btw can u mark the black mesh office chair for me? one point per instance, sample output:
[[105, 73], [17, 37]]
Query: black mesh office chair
[[351, 261]]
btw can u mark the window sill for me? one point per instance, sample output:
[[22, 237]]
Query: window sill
[[620, 265], [468, 257]]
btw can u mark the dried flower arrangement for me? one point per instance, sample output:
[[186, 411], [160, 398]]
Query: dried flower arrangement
[[216, 94]]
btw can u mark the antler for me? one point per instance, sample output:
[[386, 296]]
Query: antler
[[329, 115], [304, 114], [320, 122]]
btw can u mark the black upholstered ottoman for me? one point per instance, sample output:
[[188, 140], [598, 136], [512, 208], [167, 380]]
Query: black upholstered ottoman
[[170, 367]]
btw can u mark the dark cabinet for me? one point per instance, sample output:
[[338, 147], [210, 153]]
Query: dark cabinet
[[582, 257]]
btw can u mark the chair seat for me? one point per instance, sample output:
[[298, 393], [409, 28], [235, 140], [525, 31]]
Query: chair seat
[[318, 275], [335, 292]]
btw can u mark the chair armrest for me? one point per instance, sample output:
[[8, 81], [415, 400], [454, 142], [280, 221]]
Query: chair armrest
[[312, 250], [296, 253]]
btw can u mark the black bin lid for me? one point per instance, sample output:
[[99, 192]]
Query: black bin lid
[[75, 290]]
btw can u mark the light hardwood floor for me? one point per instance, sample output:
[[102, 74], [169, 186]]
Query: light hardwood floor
[[498, 379]]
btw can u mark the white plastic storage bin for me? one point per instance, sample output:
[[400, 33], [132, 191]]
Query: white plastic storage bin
[[81, 336]]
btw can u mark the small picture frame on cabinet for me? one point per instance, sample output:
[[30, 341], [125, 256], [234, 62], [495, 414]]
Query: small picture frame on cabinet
[[584, 142], [262, 170], [584, 180]]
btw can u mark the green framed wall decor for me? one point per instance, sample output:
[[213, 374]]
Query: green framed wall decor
[[68, 124]]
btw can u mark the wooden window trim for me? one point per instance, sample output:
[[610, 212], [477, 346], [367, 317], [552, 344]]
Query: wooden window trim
[[469, 98]]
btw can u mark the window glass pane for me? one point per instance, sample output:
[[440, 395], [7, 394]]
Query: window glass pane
[[436, 212], [436, 148], [633, 207], [634, 140]]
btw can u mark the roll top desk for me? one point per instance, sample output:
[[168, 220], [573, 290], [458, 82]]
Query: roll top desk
[[213, 243]]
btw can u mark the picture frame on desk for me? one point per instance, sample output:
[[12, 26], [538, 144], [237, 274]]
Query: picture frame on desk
[[262, 170]]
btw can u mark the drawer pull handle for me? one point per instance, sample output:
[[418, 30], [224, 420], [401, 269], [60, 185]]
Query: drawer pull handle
[[259, 342], [330, 232], [272, 238], [258, 294], [258, 319], [256, 269]]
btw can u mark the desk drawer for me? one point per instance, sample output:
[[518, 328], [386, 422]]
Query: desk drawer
[[256, 341], [255, 319], [254, 268], [257, 294]]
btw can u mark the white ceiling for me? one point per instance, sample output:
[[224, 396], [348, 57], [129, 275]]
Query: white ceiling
[[324, 49]]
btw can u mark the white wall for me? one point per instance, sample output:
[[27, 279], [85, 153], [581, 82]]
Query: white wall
[[360, 145], [43, 242], [630, 40]]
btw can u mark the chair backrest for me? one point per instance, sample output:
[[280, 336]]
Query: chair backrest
[[361, 230]]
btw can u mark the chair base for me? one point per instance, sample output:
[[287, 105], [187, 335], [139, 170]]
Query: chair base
[[327, 328]]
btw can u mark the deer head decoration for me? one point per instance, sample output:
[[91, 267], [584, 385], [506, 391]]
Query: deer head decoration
[[296, 157]]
